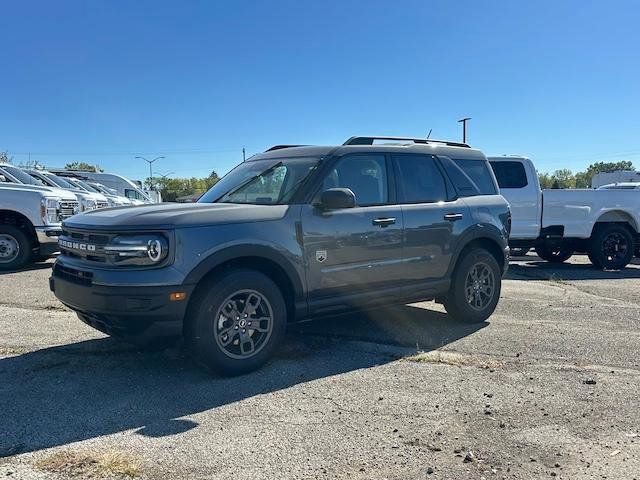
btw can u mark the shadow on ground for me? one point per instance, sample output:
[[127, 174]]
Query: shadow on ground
[[64, 394], [541, 270]]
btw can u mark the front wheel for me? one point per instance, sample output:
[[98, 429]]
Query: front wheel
[[611, 247], [475, 288], [15, 248], [236, 322], [554, 254]]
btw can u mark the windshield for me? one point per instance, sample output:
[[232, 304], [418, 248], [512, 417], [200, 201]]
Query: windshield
[[88, 187], [22, 176], [61, 182], [262, 182]]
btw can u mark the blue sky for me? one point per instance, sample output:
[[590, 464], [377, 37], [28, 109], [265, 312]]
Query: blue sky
[[103, 81]]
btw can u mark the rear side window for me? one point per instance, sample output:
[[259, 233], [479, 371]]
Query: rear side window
[[510, 174], [470, 176], [419, 179]]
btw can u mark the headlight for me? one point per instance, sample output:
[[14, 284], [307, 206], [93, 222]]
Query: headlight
[[49, 210], [138, 249], [87, 204]]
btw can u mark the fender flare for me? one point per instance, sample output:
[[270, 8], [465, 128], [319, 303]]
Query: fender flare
[[226, 254], [477, 232]]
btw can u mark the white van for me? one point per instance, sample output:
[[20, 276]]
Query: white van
[[120, 184]]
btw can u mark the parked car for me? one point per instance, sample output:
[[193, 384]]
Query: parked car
[[604, 224], [115, 200], [295, 232], [88, 200], [30, 221], [621, 186], [123, 186]]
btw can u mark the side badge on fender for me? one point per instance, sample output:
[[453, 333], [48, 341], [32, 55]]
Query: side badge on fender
[[321, 255]]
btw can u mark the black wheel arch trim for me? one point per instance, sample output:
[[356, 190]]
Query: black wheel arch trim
[[230, 253], [478, 232]]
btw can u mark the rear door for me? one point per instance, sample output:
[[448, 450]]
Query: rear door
[[433, 217], [354, 254]]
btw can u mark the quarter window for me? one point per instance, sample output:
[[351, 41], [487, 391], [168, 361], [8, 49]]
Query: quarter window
[[419, 179]]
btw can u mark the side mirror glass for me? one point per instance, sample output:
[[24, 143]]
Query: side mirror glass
[[2, 178], [337, 198]]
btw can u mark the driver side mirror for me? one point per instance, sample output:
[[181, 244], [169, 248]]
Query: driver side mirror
[[337, 198], [2, 178]]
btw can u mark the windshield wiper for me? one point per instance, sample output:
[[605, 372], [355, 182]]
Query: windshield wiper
[[249, 180]]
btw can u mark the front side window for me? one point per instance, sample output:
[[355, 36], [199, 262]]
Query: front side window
[[262, 182], [510, 174], [365, 175], [419, 179]]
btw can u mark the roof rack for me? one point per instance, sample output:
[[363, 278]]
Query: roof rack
[[369, 141], [280, 147]]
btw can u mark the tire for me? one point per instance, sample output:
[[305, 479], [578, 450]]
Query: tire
[[15, 248], [220, 316], [519, 252], [461, 300], [554, 254], [611, 247]]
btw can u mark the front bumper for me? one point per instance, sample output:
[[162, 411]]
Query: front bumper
[[48, 239], [129, 312]]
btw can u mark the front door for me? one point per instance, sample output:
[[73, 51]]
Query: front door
[[354, 255]]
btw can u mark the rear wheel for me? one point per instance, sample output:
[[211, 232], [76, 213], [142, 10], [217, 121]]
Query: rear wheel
[[611, 247], [475, 288], [554, 254], [15, 248], [236, 322]]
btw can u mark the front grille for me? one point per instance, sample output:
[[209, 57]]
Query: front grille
[[73, 275], [102, 204], [86, 245], [67, 209]]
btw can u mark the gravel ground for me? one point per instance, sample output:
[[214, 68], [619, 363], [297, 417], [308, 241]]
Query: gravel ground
[[548, 387]]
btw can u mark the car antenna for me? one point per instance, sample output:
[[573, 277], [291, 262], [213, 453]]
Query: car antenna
[[429, 134]]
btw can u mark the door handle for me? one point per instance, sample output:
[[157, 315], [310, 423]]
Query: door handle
[[452, 217], [383, 222]]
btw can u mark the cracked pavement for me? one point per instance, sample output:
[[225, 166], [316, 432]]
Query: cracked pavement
[[548, 387]]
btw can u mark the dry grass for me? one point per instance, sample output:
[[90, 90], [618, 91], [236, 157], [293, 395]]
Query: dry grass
[[92, 464], [456, 359], [13, 350]]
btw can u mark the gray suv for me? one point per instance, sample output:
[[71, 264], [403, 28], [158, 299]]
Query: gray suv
[[292, 233]]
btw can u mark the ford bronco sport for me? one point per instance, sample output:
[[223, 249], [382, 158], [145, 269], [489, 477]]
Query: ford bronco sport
[[292, 233]]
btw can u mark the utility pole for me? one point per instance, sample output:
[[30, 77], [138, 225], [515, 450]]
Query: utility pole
[[244, 154], [464, 128], [150, 162]]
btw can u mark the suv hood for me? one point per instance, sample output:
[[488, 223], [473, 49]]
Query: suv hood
[[174, 215], [46, 191]]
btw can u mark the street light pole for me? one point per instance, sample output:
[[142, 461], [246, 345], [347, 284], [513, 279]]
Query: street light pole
[[464, 128], [150, 170]]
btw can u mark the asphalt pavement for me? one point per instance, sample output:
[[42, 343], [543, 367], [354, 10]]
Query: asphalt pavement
[[548, 387]]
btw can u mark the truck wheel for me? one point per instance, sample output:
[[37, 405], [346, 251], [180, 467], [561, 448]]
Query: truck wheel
[[235, 322], [475, 288], [611, 247], [15, 248], [557, 254]]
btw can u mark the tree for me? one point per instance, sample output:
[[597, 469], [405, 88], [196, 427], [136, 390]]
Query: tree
[[173, 188], [83, 167], [563, 178], [4, 158], [545, 180]]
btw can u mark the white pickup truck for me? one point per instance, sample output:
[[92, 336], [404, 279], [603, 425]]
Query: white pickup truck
[[604, 224], [31, 221]]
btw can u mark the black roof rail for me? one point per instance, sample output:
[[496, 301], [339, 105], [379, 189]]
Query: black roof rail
[[280, 147], [369, 141]]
